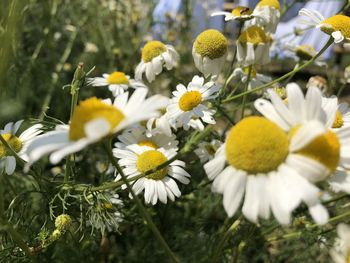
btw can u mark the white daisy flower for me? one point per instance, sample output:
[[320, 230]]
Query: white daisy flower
[[342, 114], [117, 82], [159, 125], [266, 15], [160, 185], [94, 119], [18, 143], [206, 150], [209, 52], [262, 166], [187, 103], [138, 135], [253, 47], [337, 26], [340, 253], [240, 13], [256, 79], [156, 55]]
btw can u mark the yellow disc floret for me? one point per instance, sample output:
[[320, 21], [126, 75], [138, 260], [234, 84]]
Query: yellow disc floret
[[252, 72], [211, 43], [325, 149], [271, 3], [148, 143], [117, 78], [12, 141], [256, 145], [241, 11], [150, 160], [337, 23], [190, 100], [338, 121], [89, 110], [152, 49], [254, 35]]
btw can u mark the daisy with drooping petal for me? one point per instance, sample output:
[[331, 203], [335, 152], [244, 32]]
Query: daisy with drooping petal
[[94, 119], [253, 47], [138, 135], [159, 125], [256, 79], [155, 55], [209, 52], [262, 161], [188, 102], [159, 185], [266, 15], [239, 13], [341, 250], [117, 82], [18, 143], [206, 150], [337, 26]]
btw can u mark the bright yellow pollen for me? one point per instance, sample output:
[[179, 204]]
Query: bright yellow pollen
[[211, 43], [305, 52], [270, 3], [190, 100], [12, 141], [241, 10], [252, 72], [150, 160], [89, 110], [325, 149], [256, 145], [254, 35], [338, 121], [148, 143], [117, 78], [152, 49], [338, 23]]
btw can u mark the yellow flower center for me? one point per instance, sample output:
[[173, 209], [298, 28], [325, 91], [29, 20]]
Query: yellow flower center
[[337, 23], [305, 52], [241, 10], [338, 121], [89, 110], [211, 43], [252, 72], [190, 100], [152, 49], [150, 160], [325, 149], [271, 3], [211, 149], [148, 143], [254, 35], [12, 141], [117, 78], [256, 145]]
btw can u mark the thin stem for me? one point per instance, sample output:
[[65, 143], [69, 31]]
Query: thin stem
[[245, 89], [328, 44], [142, 209]]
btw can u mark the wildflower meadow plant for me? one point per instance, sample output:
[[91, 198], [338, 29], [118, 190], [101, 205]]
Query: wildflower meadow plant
[[192, 151]]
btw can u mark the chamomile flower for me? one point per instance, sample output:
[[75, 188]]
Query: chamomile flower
[[266, 15], [155, 55], [92, 120], [262, 166], [188, 102], [342, 115], [256, 79], [117, 82], [341, 250], [253, 47], [240, 13], [160, 185], [206, 150], [161, 125], [18, 143], [337, 26], [304, 53], [138, 135], [209, 52]]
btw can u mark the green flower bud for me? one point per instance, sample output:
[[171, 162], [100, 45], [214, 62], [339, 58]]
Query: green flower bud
[[63, 222]]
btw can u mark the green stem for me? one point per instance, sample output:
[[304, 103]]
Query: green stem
[[292, 75], [328, 44], [142, 209], [246, 89]]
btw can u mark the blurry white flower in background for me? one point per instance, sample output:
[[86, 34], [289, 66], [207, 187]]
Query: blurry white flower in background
[[341, 250], [206, 150]]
